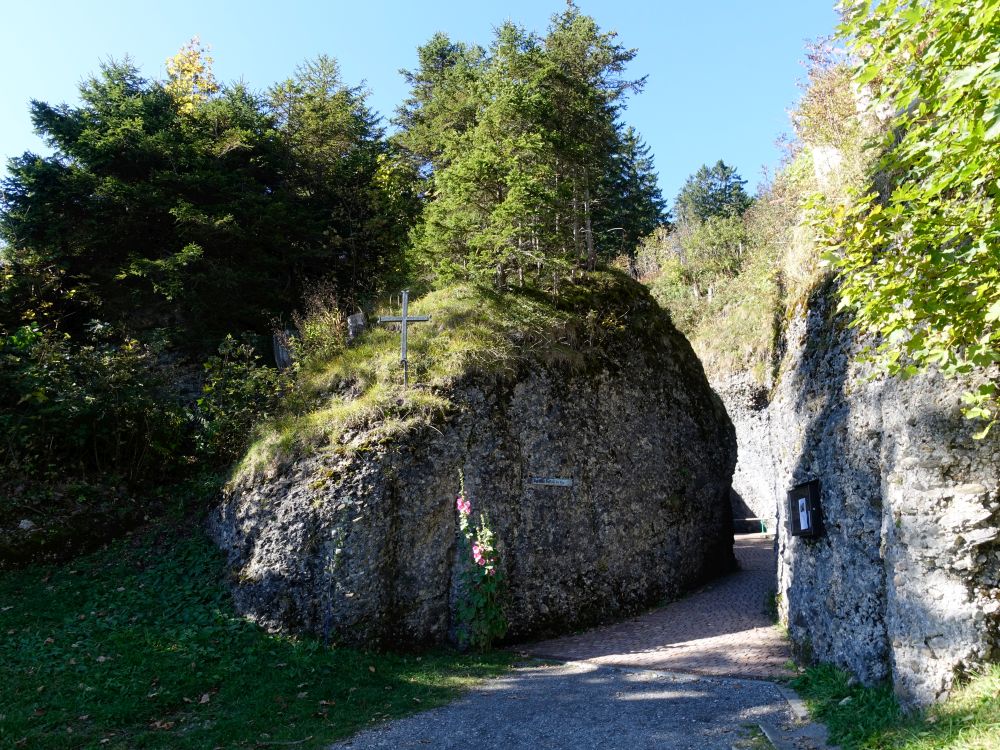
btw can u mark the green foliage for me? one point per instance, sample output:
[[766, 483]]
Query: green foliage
[[920, 266], [238, 393], [528, 170], [139, 646], [351, 196], [712, 191], [85, 409], [198, 213], [861, 718]]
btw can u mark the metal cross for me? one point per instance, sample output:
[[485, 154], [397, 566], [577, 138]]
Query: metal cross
[[403, 320]]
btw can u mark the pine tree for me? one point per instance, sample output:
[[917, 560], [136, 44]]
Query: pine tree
[[537, 170], [712, 191]]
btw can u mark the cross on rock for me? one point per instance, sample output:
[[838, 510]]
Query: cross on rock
[[403, 320]]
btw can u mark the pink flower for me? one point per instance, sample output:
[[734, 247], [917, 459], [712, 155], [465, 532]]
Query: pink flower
[[491, 571], [477, 554], [463, 505]]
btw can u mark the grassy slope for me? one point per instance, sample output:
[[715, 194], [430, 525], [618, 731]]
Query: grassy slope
[[472, 330], [862, 718], [137, 646]]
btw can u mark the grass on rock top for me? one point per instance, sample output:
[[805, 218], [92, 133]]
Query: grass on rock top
[[473, 330], [138, 646]]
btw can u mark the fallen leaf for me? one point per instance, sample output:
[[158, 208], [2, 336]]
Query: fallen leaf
[[102, 659], [50, 640], [371, 669], [205, 698], [165, 725]]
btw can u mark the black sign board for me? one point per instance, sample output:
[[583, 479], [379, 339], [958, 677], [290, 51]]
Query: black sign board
[[805, 516]]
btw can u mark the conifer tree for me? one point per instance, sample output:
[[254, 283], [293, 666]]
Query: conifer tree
[[532, 171]]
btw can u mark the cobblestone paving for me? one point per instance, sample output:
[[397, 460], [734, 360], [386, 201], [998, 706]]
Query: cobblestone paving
[[721, 630]]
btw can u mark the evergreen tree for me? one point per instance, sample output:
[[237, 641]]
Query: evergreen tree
[[443, 100], [348, 192], [195, 210], [537, 171], [631, 197], [712, 191]]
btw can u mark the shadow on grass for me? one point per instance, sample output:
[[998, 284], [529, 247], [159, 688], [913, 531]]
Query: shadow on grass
[[137, 645]]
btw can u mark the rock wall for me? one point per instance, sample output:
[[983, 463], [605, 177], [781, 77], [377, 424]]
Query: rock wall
[[755, 487], [359, 542], [904, 583]]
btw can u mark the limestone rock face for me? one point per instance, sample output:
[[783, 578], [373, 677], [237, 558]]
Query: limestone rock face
[[755, 483], [361, 545], [905, 583]]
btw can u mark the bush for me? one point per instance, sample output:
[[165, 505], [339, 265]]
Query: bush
[[321, 325], [91, 408], [239, 392]]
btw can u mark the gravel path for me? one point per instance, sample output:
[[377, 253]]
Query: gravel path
[[690, 675], [580, 705]]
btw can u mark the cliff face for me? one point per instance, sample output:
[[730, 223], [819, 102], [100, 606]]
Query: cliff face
[[358, 541], [904, 583]]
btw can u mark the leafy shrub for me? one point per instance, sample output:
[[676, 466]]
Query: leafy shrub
[[321, 325], [920, 258], [239, 392], [96, 407]]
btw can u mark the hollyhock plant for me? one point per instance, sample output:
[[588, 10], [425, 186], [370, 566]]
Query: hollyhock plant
[[481, 618]]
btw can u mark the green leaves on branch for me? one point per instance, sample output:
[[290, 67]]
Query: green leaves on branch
[[921, 266], [528, 170]]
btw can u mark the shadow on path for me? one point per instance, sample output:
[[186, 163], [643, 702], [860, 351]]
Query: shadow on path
[[582, 705], [723, 629], [675, 678]]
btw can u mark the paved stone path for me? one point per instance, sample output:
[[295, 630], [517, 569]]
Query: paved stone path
[[721, 630], [689, 676]]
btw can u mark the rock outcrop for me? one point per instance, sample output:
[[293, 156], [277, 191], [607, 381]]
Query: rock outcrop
[[358, 541], [905, 583]]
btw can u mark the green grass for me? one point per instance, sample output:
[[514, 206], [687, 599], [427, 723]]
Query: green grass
[[860, 718], [137, 646], [473, 330]]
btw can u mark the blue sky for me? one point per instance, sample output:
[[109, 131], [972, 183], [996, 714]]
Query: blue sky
[[721, 73]]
